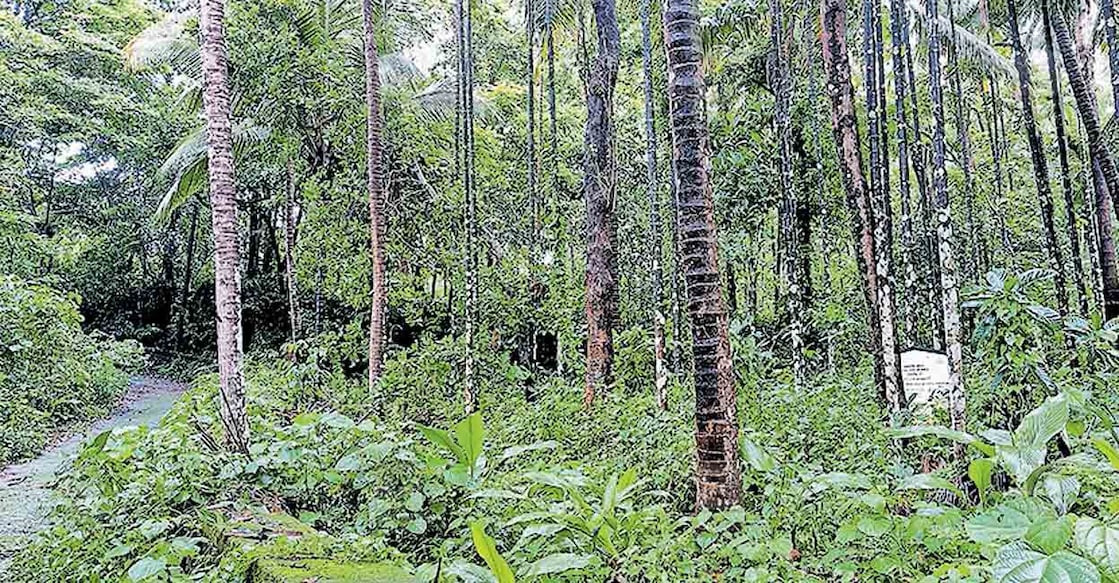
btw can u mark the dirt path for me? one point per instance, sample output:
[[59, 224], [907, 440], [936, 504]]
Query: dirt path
[[25, 489]]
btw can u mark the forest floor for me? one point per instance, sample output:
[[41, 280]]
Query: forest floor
[[25, 488]]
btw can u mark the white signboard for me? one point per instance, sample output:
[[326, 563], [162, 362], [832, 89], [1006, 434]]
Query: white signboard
[[924, 376]]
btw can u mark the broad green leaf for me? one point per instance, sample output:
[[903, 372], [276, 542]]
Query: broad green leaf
[[1018, 563], [1041, 424], [558, 563], [874, 525], [487, 549], [942, 432], [1050, 536], [1007, 521], [516, 450], [1061, 491], [146, 568], [1108, 451], [756, 456], [337, 420], [442, 439], [1021, 461], [417, 525], [980, 470], [1099, 541], [469, 433], [929, 482]]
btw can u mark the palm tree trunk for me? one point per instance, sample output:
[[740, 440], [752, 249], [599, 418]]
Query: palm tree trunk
[[374, 168], [909, 274], [470, 394], [718, 481], [1101, 158], [973, 252], [223, 202], [289, 253], [1037, 155], [1066, 176], [926, 249], [655, 251], [787, 209], [950, 309], [530, 86], [598, 189], [996, 160], [845, 126], [880, 209], [188, 277], [553, 135]]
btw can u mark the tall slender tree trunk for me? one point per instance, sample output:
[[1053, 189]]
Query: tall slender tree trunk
[[223, 203], [470, 394], [718, 480], [530, 106], [909, 273], [926, 247], [188, 277], [598, 190], [553, 135], [1089, 118], [845, 128], [974, 250], [884, 231], [289, 253], [1037, 156], [790, 266], [996, 161], [375, 179], [655, 251], [950, 309], [1066, 180]]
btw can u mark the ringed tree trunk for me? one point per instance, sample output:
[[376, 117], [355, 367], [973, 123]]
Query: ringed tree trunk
[[530, 86], [1089, 118], [466, 55], [223, 202], [880, 205], [841, 94], [290, 220], [1066, 176], [659, 369], [598, 190], [950, 309], [718, 479], [374, 170], [909, 274], [188, 276], [790, 265], [1037, 156]]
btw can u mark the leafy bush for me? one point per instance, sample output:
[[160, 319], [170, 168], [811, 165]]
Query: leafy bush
[[51, 373]]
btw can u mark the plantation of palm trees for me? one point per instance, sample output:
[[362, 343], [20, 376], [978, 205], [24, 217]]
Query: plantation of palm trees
[[559, 290]]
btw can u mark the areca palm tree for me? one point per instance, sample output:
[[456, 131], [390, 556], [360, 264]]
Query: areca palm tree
[[599, 190], [949, 292], [1098, 151], [375, 186], [659, 369], [718, 480], [223, 204], [1037, 154]]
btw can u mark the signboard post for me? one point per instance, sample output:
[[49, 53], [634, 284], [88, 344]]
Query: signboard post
[[925, 378]]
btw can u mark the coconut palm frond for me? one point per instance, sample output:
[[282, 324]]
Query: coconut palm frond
[[168, 42], [557, 15], [970, 48], [321, 21], [437, 102], [186, 167]]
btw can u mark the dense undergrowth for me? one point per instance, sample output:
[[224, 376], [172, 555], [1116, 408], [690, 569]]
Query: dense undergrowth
[[52, 374], [542, 490]]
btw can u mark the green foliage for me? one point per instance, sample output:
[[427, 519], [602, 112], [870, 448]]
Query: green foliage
[[52, 375]]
